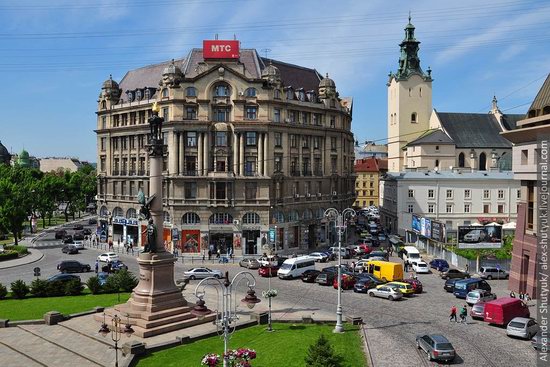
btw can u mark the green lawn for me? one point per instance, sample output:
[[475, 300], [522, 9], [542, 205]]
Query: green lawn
[[35, 308], [287, 346]]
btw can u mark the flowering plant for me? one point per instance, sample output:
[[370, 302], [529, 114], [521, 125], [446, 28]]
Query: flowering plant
[[210, 360], [270, 293], [235, 358]]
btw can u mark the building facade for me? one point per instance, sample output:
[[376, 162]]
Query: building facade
[[257, 149], [367, 182], [527, 139], [370, 150], [53, 164]]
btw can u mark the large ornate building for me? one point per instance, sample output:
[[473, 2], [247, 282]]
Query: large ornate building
[[257, 150]]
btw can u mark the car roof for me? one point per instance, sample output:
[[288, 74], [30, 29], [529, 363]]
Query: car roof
[[438, 338], [521, 319]]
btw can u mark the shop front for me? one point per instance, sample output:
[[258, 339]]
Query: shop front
[[119, 224], [190, 241], [132, 231], [220, 237], [251, 237]]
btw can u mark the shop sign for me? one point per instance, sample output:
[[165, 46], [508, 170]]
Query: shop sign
[[220, 49], [118, 220]]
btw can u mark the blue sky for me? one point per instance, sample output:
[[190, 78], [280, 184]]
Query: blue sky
[[54, 55]]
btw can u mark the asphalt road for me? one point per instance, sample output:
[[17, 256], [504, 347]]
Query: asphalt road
[[390, 327]]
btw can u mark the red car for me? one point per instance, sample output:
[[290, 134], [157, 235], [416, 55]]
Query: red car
[[264, 271], [348, 281], [415, 283]]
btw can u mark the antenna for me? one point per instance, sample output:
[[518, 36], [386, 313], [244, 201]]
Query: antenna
[[216, 37], [266, 51]]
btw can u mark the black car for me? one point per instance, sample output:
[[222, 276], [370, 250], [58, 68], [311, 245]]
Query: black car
[[63, 278], [92, 221], [69, 249], [309, 276], [326, 278], [373, 278], [78, 236], [73, 266], [450, 284], [78, 227], [86, 231], [68, 239], [363, 284], [334, 269], [59, 235]]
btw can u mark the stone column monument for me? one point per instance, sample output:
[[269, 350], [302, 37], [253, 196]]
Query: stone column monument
[[156, 305]]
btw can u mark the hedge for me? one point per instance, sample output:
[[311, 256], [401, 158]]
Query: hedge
[[8, 255]]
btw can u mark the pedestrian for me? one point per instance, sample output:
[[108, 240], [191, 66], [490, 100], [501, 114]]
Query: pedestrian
[[512, 294], [110, 245], [96, 266], [521, 295], [466, 268], [218, 253], [526, 297], [463, 313], [132, 246], [453, 314], [118, 242], [209, 254]]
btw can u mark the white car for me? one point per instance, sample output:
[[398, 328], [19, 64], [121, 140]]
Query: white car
[[522, 327], [107, 257], [479, 295], [319, 257], [201, 273], [384, 291], [78, 244], [420, 267]]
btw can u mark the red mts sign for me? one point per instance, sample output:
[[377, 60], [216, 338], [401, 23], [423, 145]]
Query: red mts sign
[[219, 49]]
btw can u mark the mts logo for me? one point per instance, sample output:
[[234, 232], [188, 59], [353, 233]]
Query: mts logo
[[220, 49]]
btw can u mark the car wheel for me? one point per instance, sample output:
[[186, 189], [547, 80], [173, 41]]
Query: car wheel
[[390, 298], [371, 294], [506, 276], [489, 277], [418, 344], [217, 276], [192, 277]]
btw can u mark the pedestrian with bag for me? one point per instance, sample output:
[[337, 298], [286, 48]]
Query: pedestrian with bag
[[463, 313], [453, 314]]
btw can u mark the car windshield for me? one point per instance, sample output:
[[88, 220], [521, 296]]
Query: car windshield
[[421, 265], [459, 285], [444, 346], [473, 295], [286, 267], [519, 325]]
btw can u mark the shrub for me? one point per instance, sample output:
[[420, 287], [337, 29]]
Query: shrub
[[19, 289], [321, 354], [39, 288], [3, 291], [73, 287], [8, 255], [111, 285], [93, 285], [126, 280], [56, 289], [21, 250]]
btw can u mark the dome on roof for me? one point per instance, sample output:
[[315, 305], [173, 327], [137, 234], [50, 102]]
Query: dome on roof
[[327, 82], [24, 154], [5, 156], [271, 70], [23, 159], [110, 83], [172, 75]]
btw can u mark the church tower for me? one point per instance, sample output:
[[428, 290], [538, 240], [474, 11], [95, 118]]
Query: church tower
[[409, 100]]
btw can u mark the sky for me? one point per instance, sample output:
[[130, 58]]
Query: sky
[[55, 54]]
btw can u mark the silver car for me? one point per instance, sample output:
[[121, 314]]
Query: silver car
[[522, 327], [201, 273], [384, 291], [492, 272], [436, 346], [249, 263], [479, 295]]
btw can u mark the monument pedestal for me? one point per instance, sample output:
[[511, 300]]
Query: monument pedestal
[[156, 305]]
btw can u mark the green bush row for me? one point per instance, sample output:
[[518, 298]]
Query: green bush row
[[123, 281], [42, 288], [21, 250], [8, 255]]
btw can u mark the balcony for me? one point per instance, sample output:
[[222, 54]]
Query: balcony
[[141, 172], [250, 173], [115, 172], [318, 172], [132, 172], [294, 172], [306, 173], [191, 173]]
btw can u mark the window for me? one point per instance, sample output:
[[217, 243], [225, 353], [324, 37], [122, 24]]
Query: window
[[530, 204], [191, 139], [431, 208], [449, 208], [276, 115], [430, 194], [221, 218], [277, 94], [461, 160], [278, 139], [250, 138], [411, 193], [190, 190], [437, 148], [500, 194], [221, 139], [221, 114], [191, 92], [449, 194], [103, 122], [486, 194], [289, 94], [500, 208], [250, 189], [437, 163], [413, 118], [305, 141], [524, 157], [482, 162], [191, 113], [292, 116], [250, 166], [102, 164], [190, 218], [251, 113], [333, 165], [306, 118], [293, 141], [332, 143], [518, 194], [164, 93], [278, 162], [316, 142], [410, 208], [467, 208], [165, 111], [467, 194], [332, 121], [221, 90], [103, 143], [251, 218]]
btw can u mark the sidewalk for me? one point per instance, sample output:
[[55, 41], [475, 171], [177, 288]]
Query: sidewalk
[[33, 256]]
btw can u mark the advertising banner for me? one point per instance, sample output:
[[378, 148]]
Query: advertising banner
[[438, 231], [190, 241], [479, 237], [220, 49], [416, 223], [427, 228]]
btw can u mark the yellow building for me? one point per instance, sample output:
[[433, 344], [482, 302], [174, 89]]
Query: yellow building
[[368, 172]]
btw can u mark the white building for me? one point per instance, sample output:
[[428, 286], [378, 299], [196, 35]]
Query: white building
[[454, 198]]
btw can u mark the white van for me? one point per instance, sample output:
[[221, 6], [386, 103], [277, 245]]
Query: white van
[[410, 254], [295, 267]]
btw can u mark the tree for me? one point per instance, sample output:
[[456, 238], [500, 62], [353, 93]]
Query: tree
[[16, 198], [321, 354], [47, 190]]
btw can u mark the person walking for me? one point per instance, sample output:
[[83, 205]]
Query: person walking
[[512, 294], [463, 313], [453, 314], [132, 246], [467, 268], [96, 266], [209, 254]]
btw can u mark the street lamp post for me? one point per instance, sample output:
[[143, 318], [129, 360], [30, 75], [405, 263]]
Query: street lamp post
[[340, 219], [228, 319], [116, 332]]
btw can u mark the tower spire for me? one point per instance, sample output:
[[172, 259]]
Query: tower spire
[[409, 61]]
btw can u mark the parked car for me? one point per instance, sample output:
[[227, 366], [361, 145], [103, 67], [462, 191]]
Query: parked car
[[479, 295], [465, 286], [319, 257], [69, 249], [293, 268], [201, 273], [491, 272], [415, 284], [522, 327], [117, 265], [73, 266], [107, 257], [92, 221], [78, 244], [68, 239], [436, 346], [439, 264], [348, 281], [450, 284], [63, 278], [249, 263], [420, 267], [325, 278], [478, 311], [384, 291], [266, 271], [78, 236], [309, 276], [60, 234], [403, 287], [102, 276], [87, 231], [269, 261], [454, 273], [362, 285], [501, 311], [78, 227], [374, 278], [538, 344], [375, 255]]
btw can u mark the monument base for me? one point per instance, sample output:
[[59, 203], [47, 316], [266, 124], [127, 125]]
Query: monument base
[[156, 305]]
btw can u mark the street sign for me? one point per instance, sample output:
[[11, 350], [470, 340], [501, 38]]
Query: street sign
[[271, 235], [175, 234], [36, 271]]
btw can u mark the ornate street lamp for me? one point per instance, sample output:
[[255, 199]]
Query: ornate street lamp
[[116, 331]]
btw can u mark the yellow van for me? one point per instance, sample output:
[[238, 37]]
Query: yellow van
[[385, 270]]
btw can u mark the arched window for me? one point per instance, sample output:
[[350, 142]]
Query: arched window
[[482, 162], [250, 92], [117, 212], [164, 93], [413, 118], [139, 95], [130, 96], [289, 94], [293, 216], [131, 213], [251, 218], [221, 90], [166, 217], [221, 218], [147, 93], [301, 95], [308, 214], [437, 162], [279, 217], [320, 214], [103, 212], [190, 218], [103, 105], [191, 92], [461, 160]]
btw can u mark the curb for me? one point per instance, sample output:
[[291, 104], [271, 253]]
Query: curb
[[366, 347], [26, 263]]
